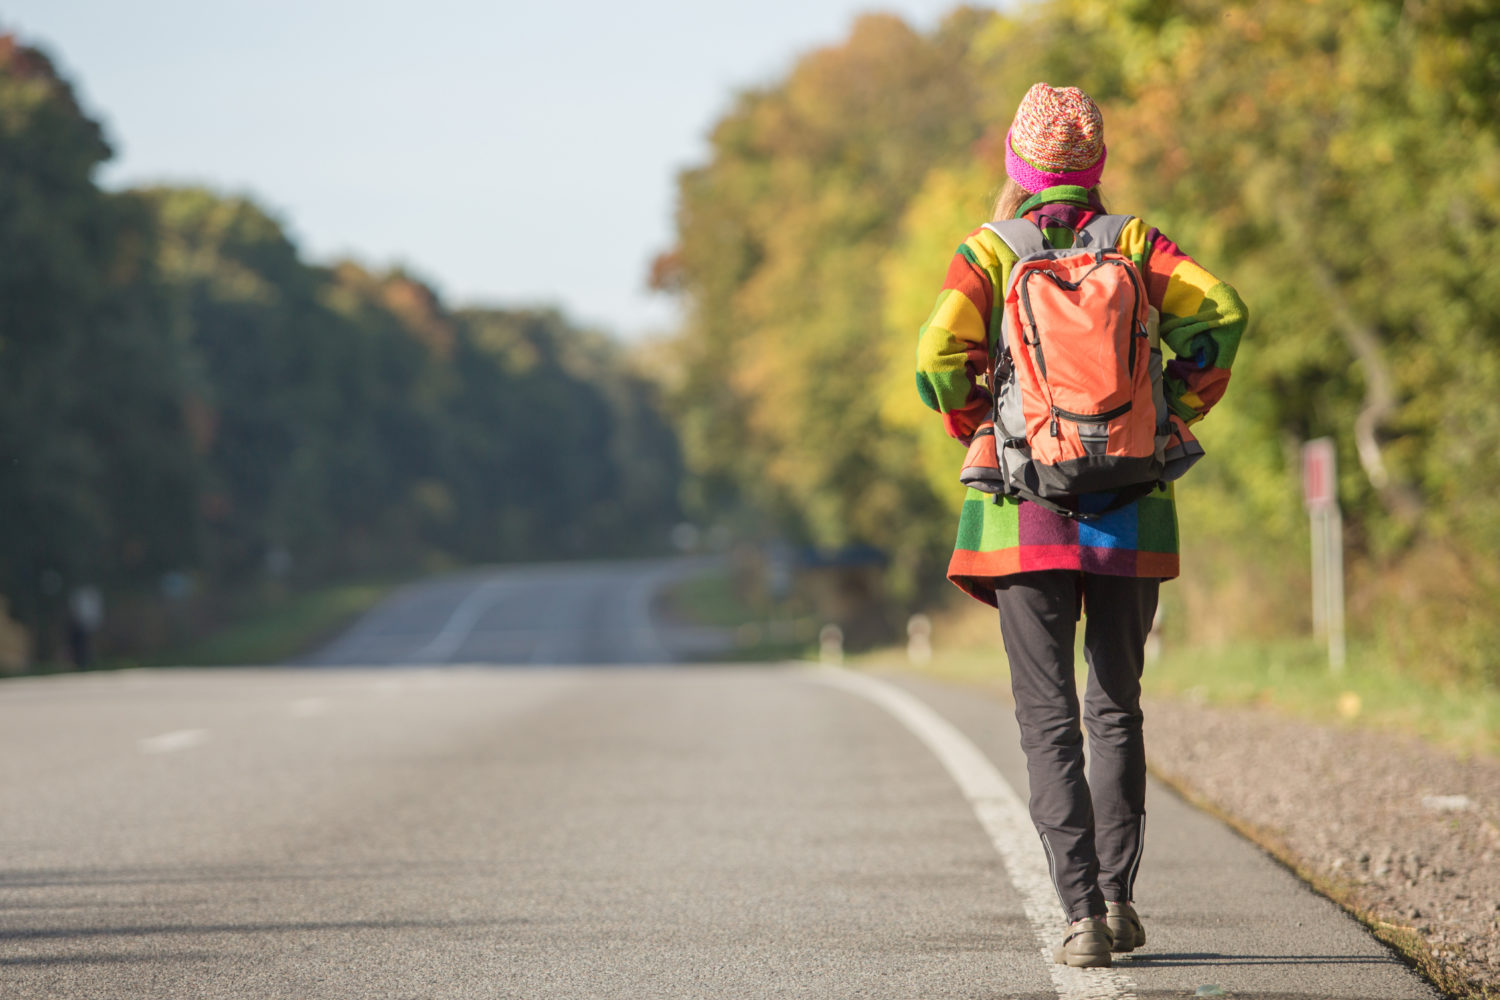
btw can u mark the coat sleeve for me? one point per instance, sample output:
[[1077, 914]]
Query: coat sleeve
[[953, 346], [1202, 320]]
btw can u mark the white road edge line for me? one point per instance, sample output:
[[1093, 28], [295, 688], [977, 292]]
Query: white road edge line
[[180, 739], [1002, 815], [459, 624]]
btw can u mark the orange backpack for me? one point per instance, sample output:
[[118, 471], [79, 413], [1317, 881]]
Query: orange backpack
[[1076, 374]]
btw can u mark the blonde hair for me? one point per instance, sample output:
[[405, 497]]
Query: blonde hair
[[1012, 196]]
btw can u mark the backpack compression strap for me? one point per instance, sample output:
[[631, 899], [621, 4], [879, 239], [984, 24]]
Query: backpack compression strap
[[1123, 497], [1025, 238], [1105, 230], [1021, 236]]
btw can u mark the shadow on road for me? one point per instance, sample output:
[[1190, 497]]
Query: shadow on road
[[1215, 958]]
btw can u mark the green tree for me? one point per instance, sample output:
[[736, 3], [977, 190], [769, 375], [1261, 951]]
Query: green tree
[[97, 483]]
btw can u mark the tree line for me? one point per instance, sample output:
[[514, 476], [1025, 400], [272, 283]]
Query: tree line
[[187, 402], [1337, 160]]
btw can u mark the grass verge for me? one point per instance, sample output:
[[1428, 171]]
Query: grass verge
[[1293, 676], [708, 599], [1290, 676], [757, 629], [275, 629]]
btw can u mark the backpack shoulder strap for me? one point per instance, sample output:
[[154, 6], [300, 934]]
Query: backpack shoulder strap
[[1022, 237], [1105, 230]]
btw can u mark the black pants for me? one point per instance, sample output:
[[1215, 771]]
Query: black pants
[[1092, 830]]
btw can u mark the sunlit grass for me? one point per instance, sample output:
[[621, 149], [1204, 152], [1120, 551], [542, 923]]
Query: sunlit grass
[[1293, 676], [1290, 676]]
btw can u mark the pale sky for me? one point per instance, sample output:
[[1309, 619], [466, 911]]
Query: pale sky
[[510, 153]]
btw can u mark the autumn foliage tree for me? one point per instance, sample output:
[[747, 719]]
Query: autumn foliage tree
[[1337, 159], [781, 233]]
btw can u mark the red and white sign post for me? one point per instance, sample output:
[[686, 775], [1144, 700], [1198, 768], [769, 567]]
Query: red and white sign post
[[1320, 494]]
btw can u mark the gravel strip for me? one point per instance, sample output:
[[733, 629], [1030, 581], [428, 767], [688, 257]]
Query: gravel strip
[[1405, 833]]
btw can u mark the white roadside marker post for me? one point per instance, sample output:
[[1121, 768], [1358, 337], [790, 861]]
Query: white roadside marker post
[[919, 638], [1333, 525], [831, 644], [1320, 494]]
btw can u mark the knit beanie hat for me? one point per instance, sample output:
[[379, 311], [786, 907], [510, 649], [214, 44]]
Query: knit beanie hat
[[1057, 138]]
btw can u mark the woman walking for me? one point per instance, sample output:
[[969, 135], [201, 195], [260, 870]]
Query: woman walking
[[1045, 561]]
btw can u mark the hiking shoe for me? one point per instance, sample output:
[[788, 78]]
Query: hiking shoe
[[1086, 945], [1125, 925]]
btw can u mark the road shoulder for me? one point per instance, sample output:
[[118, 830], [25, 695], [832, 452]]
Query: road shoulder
[[1405, 836], [1225, 912]]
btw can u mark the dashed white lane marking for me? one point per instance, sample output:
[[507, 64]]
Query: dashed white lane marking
[[181, 739], [459, 624], [1004, 818], [305, 708]]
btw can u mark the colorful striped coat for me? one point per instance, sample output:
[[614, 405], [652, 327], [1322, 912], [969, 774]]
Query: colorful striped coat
[[1202, 320]]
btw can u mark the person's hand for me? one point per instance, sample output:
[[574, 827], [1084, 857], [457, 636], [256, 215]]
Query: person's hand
[[962, 423], [981, 468]]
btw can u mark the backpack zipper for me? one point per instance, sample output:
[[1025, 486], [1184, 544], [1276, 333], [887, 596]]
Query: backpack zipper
[[1092, 418]]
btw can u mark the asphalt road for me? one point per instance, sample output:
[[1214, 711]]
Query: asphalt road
[[424, 832], [559, 613]]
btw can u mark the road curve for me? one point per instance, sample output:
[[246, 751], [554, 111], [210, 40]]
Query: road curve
[[446, 832], [559, 613]]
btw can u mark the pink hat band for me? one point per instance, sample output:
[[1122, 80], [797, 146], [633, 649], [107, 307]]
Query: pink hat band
[[1034, 179]]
